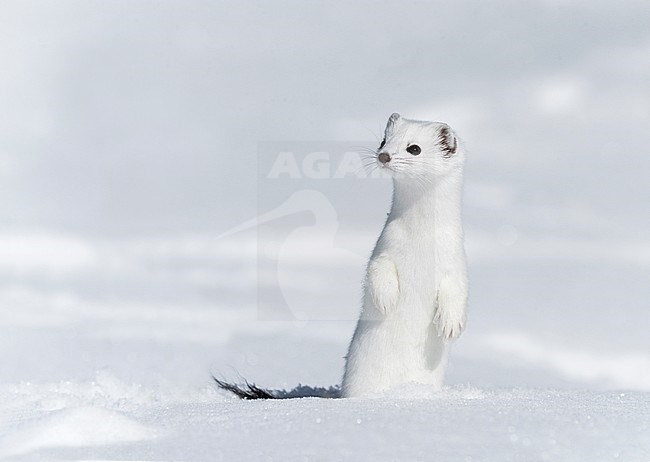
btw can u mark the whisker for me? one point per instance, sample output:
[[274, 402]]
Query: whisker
[[374, 136], [369, 169], [368, 156], [363, 148]]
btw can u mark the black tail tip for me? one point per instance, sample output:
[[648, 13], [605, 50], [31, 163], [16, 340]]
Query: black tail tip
[[245, 391]]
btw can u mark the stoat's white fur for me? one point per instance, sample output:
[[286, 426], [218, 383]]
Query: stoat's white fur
[[415, 291]]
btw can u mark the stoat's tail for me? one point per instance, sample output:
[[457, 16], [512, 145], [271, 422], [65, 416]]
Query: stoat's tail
[[252, 391]]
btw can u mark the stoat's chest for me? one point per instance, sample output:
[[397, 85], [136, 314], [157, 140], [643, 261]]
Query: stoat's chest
[[415, 253]]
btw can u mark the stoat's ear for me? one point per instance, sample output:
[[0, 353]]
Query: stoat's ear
[[447, 141], [392, 120]]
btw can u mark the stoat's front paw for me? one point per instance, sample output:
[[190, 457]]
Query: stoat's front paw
[[386, 296], [450, 308], [383, 283], [449, 323]]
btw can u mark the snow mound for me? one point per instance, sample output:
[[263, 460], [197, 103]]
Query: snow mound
[[77, 427]]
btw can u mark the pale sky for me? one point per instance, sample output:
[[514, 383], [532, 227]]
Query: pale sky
[[145, 117]]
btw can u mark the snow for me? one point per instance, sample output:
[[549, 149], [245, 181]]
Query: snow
[[109, 420]]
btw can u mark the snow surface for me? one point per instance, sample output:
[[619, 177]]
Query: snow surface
[[109, 420]]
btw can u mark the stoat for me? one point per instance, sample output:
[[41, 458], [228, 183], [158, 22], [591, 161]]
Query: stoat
[[415, 290]]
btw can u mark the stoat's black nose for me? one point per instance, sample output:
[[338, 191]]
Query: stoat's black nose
[[384, 157]]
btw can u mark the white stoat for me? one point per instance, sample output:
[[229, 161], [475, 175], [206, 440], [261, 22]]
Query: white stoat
[[415, 291]]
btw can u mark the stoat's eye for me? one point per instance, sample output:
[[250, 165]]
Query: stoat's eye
[[414, 149], [383, 142]]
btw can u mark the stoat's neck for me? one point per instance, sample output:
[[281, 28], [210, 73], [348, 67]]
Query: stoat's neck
[[436, 206]]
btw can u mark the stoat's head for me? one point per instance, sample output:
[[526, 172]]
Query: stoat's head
[[419, 150]]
